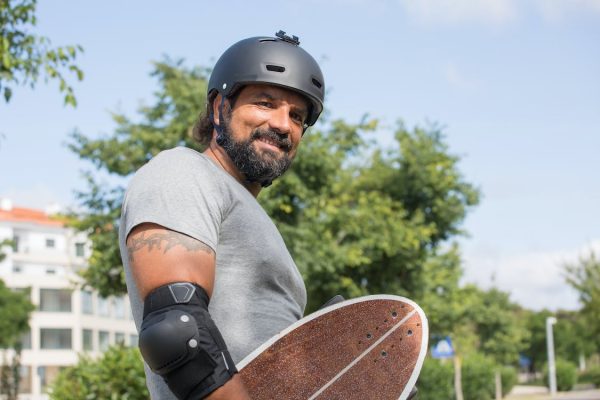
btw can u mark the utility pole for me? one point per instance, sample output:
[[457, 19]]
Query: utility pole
[[551, 362]]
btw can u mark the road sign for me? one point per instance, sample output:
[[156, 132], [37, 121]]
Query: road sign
[[443, 349]]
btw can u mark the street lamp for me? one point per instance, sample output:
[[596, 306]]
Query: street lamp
[[551, 363]]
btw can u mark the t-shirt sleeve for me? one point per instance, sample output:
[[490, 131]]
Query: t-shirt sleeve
[[178, 190]]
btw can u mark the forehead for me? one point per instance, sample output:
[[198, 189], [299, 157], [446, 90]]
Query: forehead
[[274, 92]]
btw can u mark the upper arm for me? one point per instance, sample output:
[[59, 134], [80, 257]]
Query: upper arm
[[158, 256]]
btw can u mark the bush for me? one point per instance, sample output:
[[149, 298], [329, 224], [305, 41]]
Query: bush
[[478, 380], [566, 375], [436, 381], [591, 375], [118, 374], [509, 379]]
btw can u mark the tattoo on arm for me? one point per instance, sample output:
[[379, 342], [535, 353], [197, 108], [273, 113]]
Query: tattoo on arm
[[164, 240]]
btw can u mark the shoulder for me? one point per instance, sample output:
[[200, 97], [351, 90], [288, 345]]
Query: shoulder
[[179, 166]]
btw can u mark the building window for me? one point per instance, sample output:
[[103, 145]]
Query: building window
[[15, 244], [50, 243], [103, 340], [17, 269], [103, 307], [55, 339], [87, 304], [51, 271], [133, 340], [88, 340], [120, 338], [79, 249], [120, 311], [48, 374], [25, 340], [55, 300], [25, 383]]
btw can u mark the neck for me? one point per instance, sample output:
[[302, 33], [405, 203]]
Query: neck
[[216, 152]]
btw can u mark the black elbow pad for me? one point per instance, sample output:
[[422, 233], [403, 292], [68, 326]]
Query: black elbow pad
[[180, 342]]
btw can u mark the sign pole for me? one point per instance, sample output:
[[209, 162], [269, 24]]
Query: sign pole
[[551, 362]]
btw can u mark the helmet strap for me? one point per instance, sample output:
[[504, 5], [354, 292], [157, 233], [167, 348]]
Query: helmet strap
[[218, 127]]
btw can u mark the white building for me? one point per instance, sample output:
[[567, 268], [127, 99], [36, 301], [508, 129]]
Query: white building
[[67, 320]]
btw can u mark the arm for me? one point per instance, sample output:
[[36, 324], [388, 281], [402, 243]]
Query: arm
[[159, 256]]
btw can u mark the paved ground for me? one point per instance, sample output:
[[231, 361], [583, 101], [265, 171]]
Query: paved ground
[[541, 393]]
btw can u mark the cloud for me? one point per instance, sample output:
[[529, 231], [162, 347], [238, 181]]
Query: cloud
[[557, 11], [534, 279]]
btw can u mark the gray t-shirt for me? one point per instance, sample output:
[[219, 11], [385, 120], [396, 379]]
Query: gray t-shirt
[[258, 290]]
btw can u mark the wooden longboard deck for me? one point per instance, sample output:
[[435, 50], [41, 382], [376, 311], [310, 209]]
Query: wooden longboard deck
[[371, 347]]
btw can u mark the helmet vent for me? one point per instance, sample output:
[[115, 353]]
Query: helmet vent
[[267, 40], [317, 83], [275, 68]]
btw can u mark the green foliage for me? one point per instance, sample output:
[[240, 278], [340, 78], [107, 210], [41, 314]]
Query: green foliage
[[24, 56], [353, 227], [584, 277], [356, 219], [10, 375], [15, 308], [436, 381], [591, 375], [486, 322], [509, 379], [478, 380], [164, 125], [566, 375], [572, 337], [118, 374], [4, 243]]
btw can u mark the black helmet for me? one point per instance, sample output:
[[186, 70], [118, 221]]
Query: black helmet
[[274, 60]]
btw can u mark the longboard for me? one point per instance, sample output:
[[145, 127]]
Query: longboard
[[372, 347]]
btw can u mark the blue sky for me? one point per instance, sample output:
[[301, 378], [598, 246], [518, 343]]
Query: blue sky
[[515, 83]]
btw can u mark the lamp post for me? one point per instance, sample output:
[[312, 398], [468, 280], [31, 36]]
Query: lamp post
[[551, 362]]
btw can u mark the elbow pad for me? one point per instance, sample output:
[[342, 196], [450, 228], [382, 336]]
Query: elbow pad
[[180, 342]]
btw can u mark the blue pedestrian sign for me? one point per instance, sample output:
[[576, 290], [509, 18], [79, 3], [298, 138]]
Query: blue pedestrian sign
[[443, 349]]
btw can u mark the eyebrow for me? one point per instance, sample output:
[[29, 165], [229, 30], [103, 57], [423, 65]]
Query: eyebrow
[[265, 95]]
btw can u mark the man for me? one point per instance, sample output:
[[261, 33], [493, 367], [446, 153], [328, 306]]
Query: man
[[193, 234]]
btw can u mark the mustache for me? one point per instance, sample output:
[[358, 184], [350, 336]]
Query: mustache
[[282, 141]]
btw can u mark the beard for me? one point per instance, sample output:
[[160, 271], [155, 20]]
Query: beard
[[262, 166]]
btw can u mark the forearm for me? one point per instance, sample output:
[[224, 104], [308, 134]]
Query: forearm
[[234, 389]]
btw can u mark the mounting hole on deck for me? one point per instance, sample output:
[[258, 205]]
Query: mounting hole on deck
[[394, 314], [409, 332]]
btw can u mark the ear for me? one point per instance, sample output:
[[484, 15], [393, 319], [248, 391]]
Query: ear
[[215, 109]]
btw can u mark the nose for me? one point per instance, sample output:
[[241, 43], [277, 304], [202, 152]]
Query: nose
[[280, 120]]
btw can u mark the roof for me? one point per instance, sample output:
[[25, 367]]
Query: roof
[[19, 214]]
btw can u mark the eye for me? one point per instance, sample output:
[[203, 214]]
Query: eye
[[266, 104], [297, 118]]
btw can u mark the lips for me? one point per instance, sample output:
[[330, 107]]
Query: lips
[[269, 141], [275, 141]]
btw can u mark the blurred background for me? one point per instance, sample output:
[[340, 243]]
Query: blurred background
[[469, 131]]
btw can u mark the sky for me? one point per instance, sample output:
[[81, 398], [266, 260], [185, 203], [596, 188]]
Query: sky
[[514, 83]]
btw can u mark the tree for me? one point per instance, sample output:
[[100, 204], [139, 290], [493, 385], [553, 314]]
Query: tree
[[15, 308], [584, 277], [3, 243], [25, 56], [572, 337], [164, 125], [118, 374], [357, 219]]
